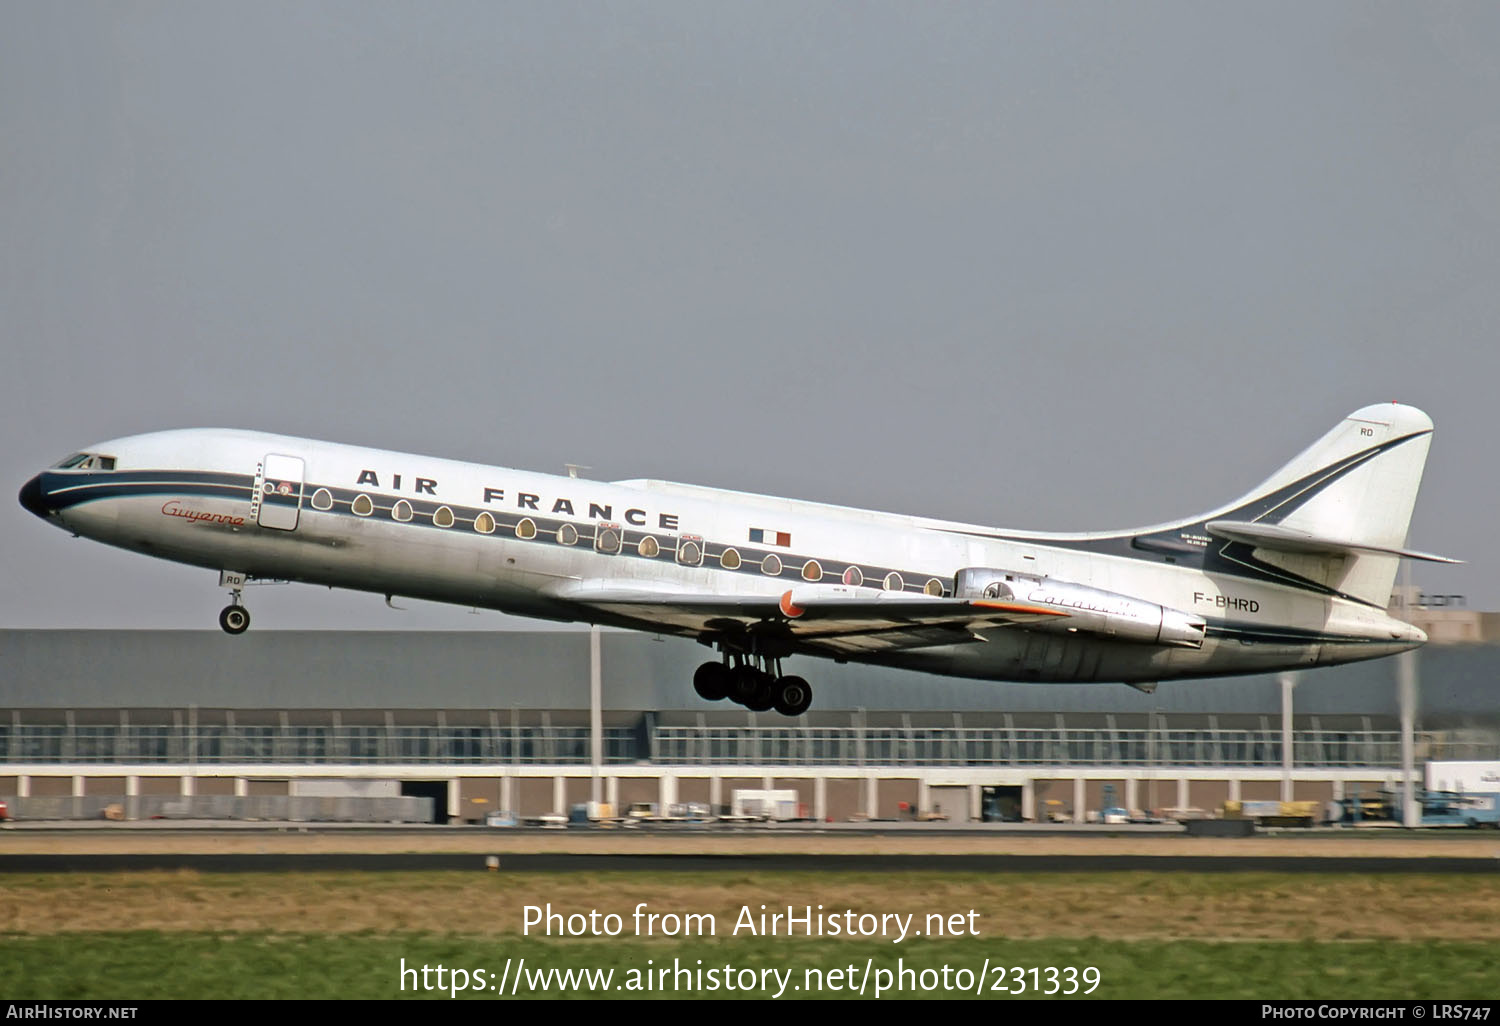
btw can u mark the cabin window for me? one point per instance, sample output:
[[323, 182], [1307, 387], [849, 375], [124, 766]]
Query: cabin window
[[484, 524], [934, 587], [526, 529], [322, 499], [649, 547], [607, 538], [442, 516], [567, 534], [853, 577], [362, 506], [893, 581], [811, 571], [770, 566], [401, 511], [729, 559], [689, 552]]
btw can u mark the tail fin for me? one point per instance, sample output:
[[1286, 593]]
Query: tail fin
[[1338, 513]]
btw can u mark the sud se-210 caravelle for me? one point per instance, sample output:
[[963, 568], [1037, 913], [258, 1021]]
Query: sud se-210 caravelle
[[1295, 574]]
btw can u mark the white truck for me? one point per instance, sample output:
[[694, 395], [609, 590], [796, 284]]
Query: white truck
[[1464, 777], [750, 803]]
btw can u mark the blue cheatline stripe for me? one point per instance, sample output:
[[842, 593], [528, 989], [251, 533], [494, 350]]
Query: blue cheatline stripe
[[71, 498]]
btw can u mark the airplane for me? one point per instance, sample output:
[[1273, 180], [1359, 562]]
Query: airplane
[[1297, 573]]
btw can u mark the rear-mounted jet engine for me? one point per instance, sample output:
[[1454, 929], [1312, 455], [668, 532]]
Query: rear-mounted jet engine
[[1088, 609]]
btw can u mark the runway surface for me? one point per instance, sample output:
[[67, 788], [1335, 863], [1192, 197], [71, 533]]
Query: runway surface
[[557, 862]]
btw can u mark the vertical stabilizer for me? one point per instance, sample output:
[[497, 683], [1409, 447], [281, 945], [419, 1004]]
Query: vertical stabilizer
[[1339, 512]]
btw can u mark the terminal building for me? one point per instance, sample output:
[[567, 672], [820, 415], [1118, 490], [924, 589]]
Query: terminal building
[[196, 723]]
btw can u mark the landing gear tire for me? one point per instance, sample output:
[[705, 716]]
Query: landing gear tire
[[744, 682], [234, 619], [712, 681], [765, 695], [793, 696]]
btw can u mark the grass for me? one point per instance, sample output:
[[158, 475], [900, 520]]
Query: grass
[[338, 935], [1110, 906], [155, 965]]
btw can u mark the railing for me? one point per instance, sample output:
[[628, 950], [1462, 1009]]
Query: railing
[[710, 746], [994, 746], [310, 744]]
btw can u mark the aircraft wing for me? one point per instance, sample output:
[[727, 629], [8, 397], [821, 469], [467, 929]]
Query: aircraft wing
[[833, 618]]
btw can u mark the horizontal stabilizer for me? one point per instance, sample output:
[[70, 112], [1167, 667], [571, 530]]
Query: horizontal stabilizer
[[1288, 539]]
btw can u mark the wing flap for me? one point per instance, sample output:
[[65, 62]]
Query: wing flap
[[889, 639], [833, 616]]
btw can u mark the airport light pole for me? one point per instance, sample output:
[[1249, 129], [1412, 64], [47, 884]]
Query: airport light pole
[[1406, 696], [192, 755], [1288, 683], [1406, 691], [596, 717]]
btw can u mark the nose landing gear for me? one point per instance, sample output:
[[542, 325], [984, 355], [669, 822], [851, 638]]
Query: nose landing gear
[[234, 618]]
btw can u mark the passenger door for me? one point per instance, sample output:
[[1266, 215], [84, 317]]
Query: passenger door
[[279, 492]]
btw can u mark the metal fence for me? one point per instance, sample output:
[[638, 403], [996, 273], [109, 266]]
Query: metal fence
[[959, 746], [180, 744], [703, 746]]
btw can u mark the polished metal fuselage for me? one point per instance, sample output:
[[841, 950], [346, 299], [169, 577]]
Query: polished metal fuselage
[[199, 497]]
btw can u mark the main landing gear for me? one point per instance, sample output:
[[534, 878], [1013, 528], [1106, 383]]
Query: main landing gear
[[758, 688], [234, 618]]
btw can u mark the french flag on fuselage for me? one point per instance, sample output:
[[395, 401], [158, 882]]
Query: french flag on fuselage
[[762, 536]]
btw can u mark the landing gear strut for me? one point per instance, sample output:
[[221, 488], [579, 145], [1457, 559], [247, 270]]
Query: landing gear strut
[[754, 681], [234, 618]]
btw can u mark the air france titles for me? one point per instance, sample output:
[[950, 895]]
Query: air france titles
[[535, 502]]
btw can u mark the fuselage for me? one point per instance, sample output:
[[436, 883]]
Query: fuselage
[[272, 506]]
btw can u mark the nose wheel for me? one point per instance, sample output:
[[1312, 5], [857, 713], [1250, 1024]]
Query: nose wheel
[[234, 618]]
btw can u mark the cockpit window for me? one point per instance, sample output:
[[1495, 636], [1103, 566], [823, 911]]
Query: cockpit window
[[86, 461]]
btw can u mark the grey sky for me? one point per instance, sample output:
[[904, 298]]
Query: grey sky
[[1041, 266]]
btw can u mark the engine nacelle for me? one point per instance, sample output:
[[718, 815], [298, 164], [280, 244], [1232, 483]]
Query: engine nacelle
[[1089, 609]]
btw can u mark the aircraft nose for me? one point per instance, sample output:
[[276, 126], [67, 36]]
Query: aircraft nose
[[34, 499]]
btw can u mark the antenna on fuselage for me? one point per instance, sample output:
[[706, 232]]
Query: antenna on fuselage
[[574, 468]]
